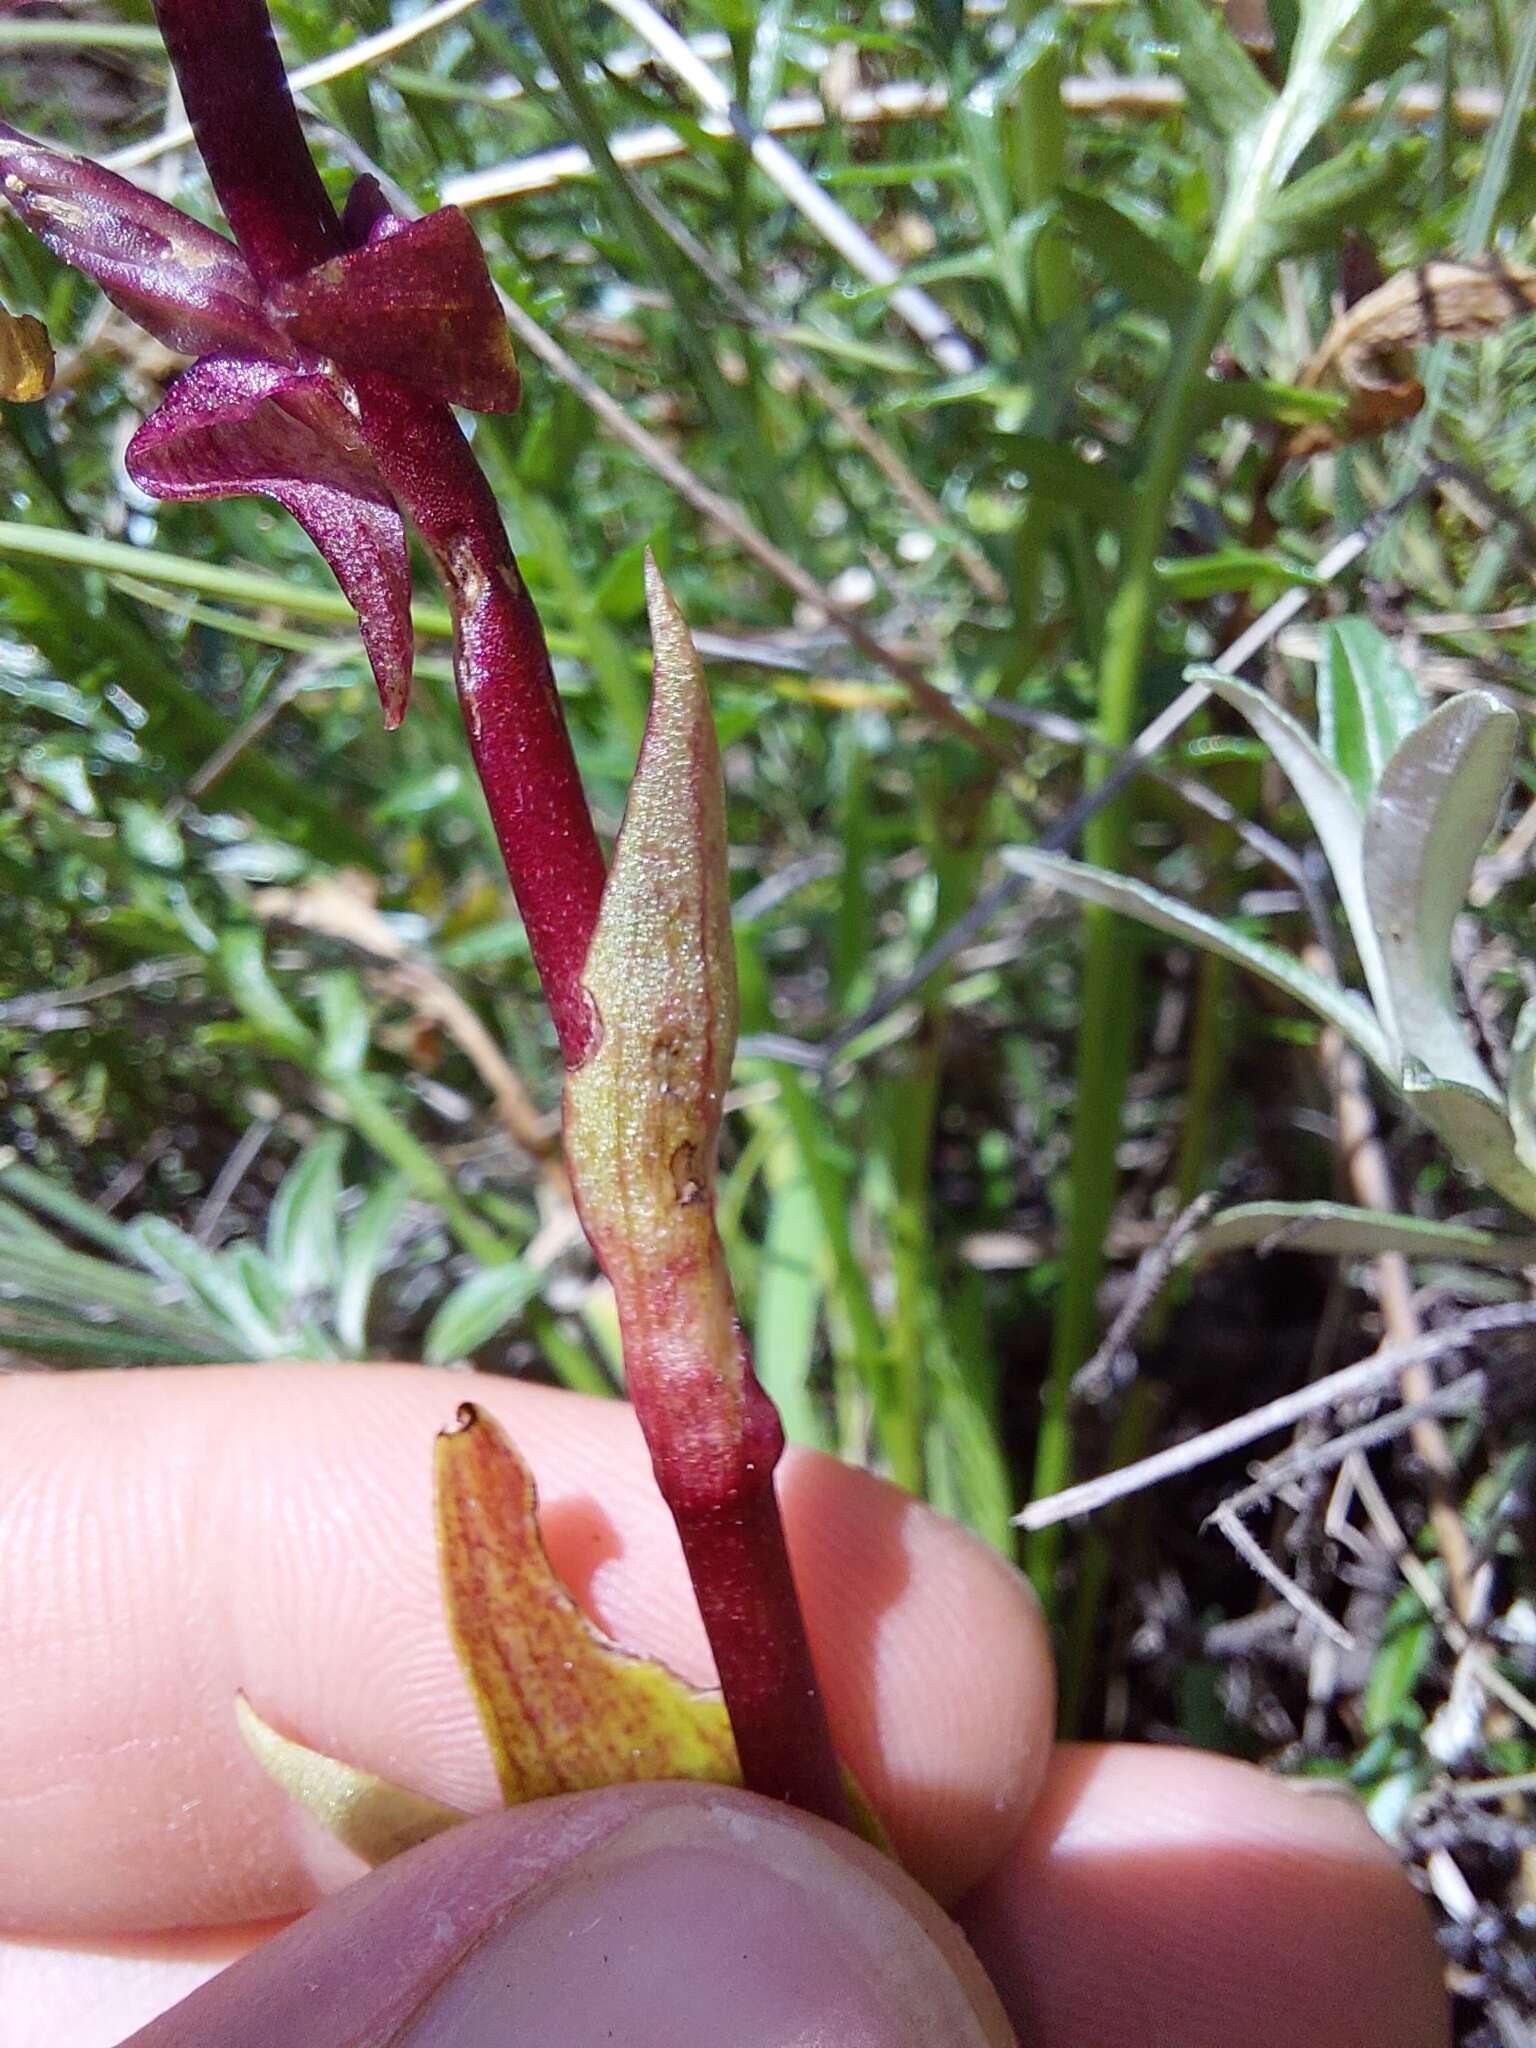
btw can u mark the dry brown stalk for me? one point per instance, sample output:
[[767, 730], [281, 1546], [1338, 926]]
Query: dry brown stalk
[[911, 100]]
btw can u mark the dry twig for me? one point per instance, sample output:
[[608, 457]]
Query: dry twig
[[1352, 1382]]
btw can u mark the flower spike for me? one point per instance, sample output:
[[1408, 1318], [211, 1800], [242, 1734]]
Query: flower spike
[[329, 353]]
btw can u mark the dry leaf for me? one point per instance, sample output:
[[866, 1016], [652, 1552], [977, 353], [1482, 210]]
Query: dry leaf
[[564, 1708], [1368, 349], [26, 358]]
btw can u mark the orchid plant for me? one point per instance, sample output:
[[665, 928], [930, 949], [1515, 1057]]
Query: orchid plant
[[330, 349]]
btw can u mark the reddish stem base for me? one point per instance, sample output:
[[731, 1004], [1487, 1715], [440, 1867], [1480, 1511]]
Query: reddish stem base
[[746, 1593]]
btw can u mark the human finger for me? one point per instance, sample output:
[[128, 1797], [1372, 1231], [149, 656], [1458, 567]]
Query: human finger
[[649, 1914], [1180, 1900], [168, 1539]]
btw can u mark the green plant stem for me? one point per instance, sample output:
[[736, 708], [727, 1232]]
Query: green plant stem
[[850, 1284], [81, 35], [373, 1119], [211, 579], [911, 1126], [1210, 1043], [1040, 154], [1106, 1032], [1134, 1426], [572, 1364]]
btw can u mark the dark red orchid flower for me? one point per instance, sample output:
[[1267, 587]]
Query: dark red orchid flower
[[270, 406], [326, 384]]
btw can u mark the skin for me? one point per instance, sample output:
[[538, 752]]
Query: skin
[[168, 1539]]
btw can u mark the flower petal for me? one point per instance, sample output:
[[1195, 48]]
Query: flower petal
[[229, 425], [188, 286], [367, 212], [415, 302]]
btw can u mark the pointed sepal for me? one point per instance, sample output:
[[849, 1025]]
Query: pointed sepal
[[231, 424], [373, 1818], [563, 1708], [414, 302], [187, 286]]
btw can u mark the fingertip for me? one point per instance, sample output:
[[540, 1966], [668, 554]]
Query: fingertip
[[649, 1914], [936, 1665], [1167, 1896], [269, 1530]]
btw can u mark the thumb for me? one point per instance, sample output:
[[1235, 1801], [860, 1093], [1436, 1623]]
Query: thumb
[[647, 1914]]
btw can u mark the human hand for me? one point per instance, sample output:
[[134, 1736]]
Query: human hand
[[168, 1539]]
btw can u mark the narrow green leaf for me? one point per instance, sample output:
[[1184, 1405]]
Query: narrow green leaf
[[345, 1023], [1475, 1131], [65, 1207], [789, 1291], [1330, 804], [1521, 1083], [1167, 914], [1406, 1645], [1334, 1229], [1367, 702], [1222, 80], [478, 1308], [301, 1225], [364, 1246], [1063, 476], [1185, 577], [149, 837], [255, 994], [215, 1281], [1317, 208], [1265, 398], [1130, 256]]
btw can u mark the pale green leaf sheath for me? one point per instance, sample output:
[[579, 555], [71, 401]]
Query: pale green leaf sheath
[[642, 1111]]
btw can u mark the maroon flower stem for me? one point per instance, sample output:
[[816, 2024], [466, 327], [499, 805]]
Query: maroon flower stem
[[727, 1515], [720, 1492], [517, 730], [226, 60]]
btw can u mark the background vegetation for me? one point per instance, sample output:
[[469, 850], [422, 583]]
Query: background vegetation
[[953, 498]]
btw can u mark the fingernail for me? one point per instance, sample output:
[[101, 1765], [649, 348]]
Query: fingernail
[[707, 1925]]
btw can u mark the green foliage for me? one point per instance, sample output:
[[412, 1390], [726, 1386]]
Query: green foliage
[[1403, 809], [190, 750]]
